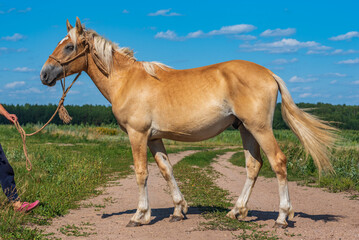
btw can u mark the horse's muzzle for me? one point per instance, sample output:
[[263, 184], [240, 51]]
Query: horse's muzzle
[[49, 74]]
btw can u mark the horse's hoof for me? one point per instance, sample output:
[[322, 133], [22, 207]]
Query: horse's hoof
[[231, 215], [291, 214], [176, 219], [184, 207], [243, 213], [280, 225], [133, 224]]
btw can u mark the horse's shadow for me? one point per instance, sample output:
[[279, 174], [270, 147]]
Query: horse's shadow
[[272, 215], [158, 213], [163, 213]]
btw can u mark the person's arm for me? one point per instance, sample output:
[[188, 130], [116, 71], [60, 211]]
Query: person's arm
[[11, 117]]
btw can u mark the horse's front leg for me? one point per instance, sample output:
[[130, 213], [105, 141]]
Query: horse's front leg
[[139, 152]]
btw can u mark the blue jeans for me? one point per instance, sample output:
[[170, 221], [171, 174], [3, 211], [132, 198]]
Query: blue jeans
[[7, 180]]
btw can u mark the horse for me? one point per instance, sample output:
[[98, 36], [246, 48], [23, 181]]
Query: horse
[[152, 101]]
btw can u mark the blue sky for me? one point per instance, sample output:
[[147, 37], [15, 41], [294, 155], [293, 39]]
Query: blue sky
[[312, 45]]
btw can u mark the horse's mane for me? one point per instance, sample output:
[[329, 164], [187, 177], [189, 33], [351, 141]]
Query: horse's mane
[[105, 49]]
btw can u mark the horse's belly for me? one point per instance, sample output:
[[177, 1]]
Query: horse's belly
[[195, 130]]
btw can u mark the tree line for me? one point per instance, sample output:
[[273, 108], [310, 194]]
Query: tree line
[[340, 116]]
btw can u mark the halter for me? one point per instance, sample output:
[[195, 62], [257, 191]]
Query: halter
[[62, 63], [94, 56]]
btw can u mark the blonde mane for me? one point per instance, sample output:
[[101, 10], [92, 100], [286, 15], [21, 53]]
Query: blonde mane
[[105, 49]]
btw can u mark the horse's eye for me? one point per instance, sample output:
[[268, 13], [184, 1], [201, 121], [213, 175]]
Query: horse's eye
[[69, 47]]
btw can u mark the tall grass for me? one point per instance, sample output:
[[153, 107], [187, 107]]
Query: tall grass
[[301, 167]]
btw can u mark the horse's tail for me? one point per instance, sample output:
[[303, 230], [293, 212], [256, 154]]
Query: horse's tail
[[317, 136]]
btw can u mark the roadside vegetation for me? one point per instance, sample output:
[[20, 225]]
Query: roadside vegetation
[[345, 161], [71, 162]]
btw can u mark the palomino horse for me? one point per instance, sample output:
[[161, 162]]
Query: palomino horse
[[152, 101]]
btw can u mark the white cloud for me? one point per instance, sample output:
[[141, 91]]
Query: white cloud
[[164, 12], [14, 84], [245, 37], [21, 50], [346, 36], [300, 89], [302, 80], [11, 50], [234, 29], [334, 81], [14, 38], [25, 10], [125, 11], [278, 32], [196, 34], [335, 74], [334, 52], [23, 69], [74, 92], [285, 45], [343, 52], [282, 61], [30, 90], [14, 9], [349, 61], [356, 82], [169, 35], [304, 95]]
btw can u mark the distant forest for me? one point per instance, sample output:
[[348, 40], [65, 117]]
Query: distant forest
[[341, 116]]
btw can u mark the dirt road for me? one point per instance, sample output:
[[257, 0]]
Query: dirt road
[[319, 214]]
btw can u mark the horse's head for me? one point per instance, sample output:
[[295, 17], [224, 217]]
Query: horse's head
[[69, 57]]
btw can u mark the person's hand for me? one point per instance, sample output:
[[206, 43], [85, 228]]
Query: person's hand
[[11, 117]]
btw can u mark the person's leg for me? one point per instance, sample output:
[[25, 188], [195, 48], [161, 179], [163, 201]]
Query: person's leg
[[7, 178]]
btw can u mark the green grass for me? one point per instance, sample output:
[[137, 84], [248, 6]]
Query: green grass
[[196, 180], [71, 162], [345, 162], [66, 169]]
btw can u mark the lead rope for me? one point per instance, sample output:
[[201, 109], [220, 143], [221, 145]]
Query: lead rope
[[63, 113]]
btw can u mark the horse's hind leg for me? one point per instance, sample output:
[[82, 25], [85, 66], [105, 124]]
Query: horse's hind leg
[[159, 153], [278, 162], [253, 165]]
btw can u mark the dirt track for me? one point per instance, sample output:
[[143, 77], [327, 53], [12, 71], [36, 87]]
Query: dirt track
[[319, 214]]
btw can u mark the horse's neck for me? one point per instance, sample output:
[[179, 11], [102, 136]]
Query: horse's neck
[[108, 85]]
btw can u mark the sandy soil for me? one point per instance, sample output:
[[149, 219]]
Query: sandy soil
[[319, 214]]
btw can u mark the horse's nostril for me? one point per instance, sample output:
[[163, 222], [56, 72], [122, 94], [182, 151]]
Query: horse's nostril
[[44, 76]]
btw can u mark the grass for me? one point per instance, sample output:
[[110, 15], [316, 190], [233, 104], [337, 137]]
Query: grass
[[196, 177], [345, 161], [71, 162]]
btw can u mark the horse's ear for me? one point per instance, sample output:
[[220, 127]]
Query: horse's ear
[[68, 25], [79, 26]]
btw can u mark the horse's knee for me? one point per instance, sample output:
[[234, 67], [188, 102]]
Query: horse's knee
[[253, 166], [141, 176], [164, 165]]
